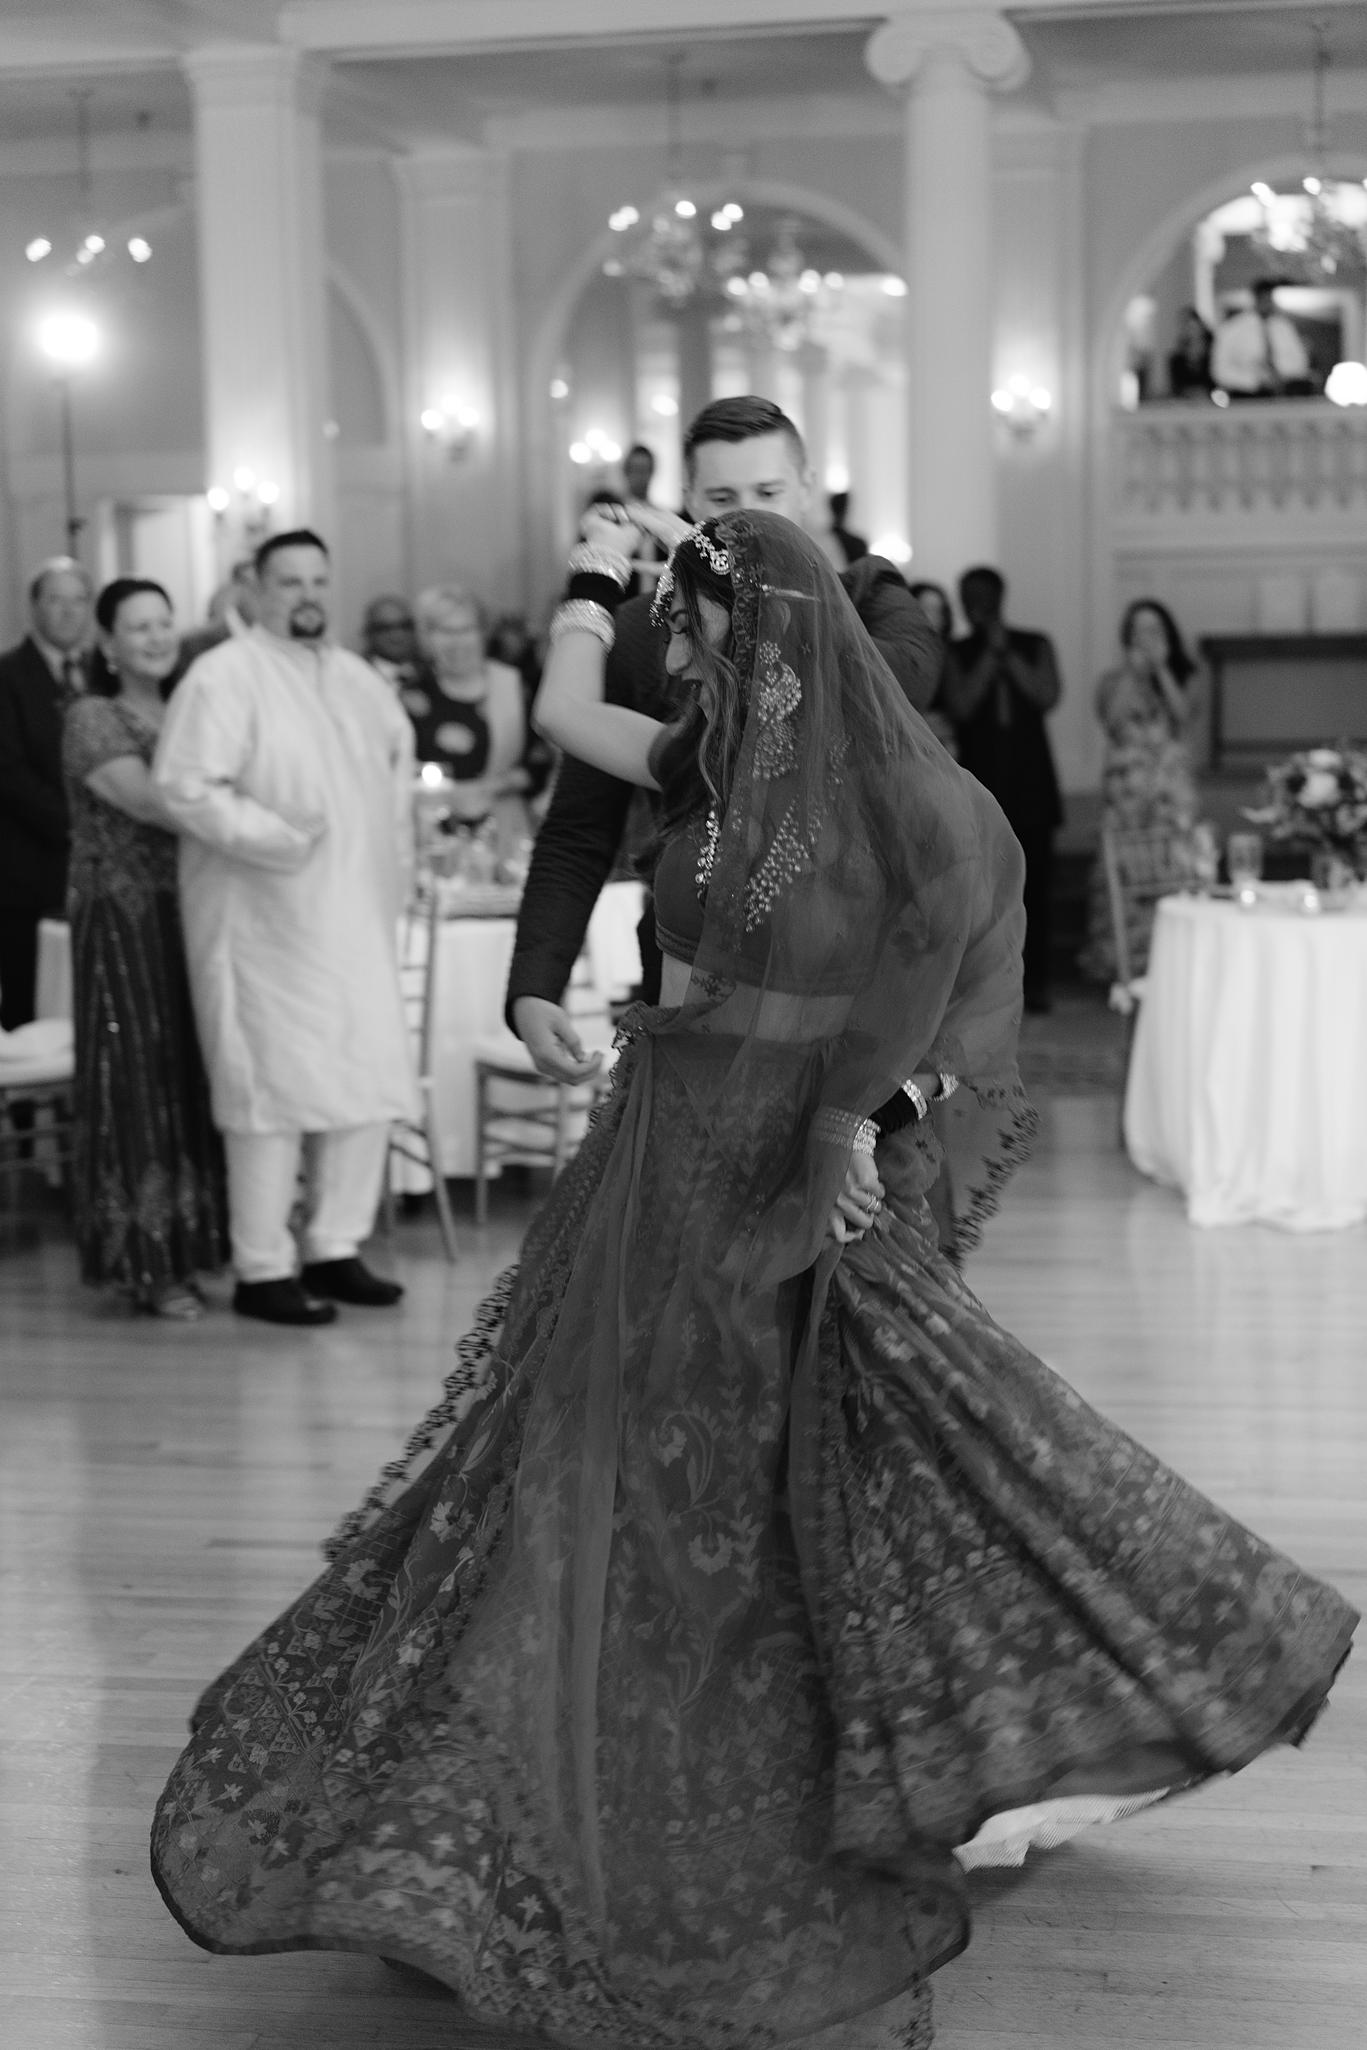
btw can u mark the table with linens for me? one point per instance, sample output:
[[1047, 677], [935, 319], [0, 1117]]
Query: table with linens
[[1247, 1085], [476, 932]]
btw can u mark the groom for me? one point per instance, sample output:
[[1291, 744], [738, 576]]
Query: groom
[[739, 454]]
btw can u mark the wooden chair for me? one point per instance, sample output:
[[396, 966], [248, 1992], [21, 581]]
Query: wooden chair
[[417, 1141], [37, 1069], [1141, 865], [519, 1115]]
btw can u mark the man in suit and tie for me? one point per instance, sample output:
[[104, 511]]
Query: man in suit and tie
[[38, 679], [1259, 354]]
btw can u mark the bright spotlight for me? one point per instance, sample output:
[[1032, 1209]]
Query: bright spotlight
[[38, 248], [140, 249], [69, 340], [218, 498]]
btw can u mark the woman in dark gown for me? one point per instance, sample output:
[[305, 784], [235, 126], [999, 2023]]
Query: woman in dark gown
[[148, 1175], [749, 1581]]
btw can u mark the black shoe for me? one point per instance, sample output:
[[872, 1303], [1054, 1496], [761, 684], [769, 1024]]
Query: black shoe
[[280, 1302], [350, 1281]]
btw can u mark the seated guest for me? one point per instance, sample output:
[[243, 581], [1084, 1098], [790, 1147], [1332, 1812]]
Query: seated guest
[[1259, 354], [469, 716], [38, 679], [150, 1201], [389, 642], [1189, 363]]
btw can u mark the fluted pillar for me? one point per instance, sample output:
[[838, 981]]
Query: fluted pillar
[[258, 197], [946, 65]]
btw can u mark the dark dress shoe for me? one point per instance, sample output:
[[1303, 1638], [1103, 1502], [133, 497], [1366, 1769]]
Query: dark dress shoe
[[350, 1281], [280, 1302]]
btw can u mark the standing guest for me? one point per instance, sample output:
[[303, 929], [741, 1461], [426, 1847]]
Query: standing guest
[[232, 610], [749, 1583], [853, 547], [469, 714], [1149, 707], [149, 1196], [999, 682], [933, 600], [738, 453], [1258, 353], [38, 680], [1189, 362], [389, 643], [288, 766], [638, 474]]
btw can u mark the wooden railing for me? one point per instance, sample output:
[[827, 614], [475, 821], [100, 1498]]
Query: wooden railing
[[1294, 457]]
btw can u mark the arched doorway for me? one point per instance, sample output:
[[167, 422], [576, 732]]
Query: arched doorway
[[615, 363]]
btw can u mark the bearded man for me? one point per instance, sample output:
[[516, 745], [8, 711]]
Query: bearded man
[[288, 764]]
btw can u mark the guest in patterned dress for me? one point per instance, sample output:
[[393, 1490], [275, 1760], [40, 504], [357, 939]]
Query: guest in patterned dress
[[149, 1191], [1150, 706], [750, 1581]]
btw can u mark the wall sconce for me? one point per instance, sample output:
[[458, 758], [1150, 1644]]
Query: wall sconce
[[451, 427], [1346, 384], [596, 447], [1023, 405], [253, 498]]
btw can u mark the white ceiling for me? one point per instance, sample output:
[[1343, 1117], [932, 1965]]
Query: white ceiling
[[128, 51]]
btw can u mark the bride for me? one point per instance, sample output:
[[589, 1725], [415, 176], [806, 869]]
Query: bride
[[749, 1581]]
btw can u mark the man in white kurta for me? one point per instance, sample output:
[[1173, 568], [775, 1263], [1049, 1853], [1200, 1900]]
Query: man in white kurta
[[288, 766]]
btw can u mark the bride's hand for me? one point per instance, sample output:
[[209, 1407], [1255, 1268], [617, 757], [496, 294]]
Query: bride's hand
[[858, 1203], [616, 536], [665, 527]]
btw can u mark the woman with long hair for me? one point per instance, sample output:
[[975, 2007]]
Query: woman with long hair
[[1149, 707], [148, 1173], [749, 1581]]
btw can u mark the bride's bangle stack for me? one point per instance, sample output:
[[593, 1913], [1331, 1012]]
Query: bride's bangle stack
[[598, 577]]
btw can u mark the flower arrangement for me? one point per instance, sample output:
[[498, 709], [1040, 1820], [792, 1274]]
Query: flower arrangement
[[1320, 798]]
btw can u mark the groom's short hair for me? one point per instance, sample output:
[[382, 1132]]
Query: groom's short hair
[[740, 419]]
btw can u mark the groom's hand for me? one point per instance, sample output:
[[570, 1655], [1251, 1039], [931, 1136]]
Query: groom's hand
[[549, 1036]]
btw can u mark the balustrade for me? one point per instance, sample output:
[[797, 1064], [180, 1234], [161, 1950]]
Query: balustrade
[[1293, 457]]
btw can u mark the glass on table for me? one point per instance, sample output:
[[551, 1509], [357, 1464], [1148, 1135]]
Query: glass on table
[[1244, 860]]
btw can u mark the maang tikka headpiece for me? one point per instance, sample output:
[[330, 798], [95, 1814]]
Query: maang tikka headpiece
[[711, 557]]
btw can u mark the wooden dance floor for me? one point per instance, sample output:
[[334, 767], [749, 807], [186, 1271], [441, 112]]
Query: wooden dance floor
[[163, 1491]]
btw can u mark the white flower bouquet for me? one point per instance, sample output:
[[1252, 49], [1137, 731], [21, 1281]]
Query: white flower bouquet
[[1318, 798]]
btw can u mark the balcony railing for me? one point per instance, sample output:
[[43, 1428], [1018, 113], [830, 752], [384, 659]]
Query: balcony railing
[[1295, 457]]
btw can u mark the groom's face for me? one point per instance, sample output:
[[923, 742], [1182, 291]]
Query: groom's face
[[762, 474]]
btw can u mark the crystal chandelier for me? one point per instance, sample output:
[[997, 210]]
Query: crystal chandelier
[[1314, 235], [673, 252], [85, 247]]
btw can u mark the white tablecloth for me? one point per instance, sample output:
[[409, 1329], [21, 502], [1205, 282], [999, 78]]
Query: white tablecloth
[[1247, 1086], [472, 975]]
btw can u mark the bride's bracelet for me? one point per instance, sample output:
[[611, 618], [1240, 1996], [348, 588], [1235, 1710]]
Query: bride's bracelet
[[598, 576], [865, 1139], [582, 615]]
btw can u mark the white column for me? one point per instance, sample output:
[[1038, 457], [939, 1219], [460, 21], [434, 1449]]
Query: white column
[[460, 363], [948, 63], [262, 267], [814, 368]]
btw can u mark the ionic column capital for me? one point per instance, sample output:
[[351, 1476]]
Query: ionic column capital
[[233, 75], [984, 42]]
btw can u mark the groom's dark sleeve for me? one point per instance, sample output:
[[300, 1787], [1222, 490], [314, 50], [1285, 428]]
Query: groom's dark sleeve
[[894, 619], [577, 845]]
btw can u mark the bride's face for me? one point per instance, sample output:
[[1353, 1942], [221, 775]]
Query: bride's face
[[716, 622]]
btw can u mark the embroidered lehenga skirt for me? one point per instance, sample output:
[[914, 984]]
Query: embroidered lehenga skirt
[[709, 1618]]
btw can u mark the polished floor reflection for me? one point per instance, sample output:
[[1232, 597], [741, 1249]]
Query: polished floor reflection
[[163, 1491]]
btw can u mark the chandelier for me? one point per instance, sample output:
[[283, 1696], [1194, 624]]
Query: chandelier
[[689, 261], [84, 247], [1313, 235]]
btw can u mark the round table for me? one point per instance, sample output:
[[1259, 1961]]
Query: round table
[[1247, 1084]]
